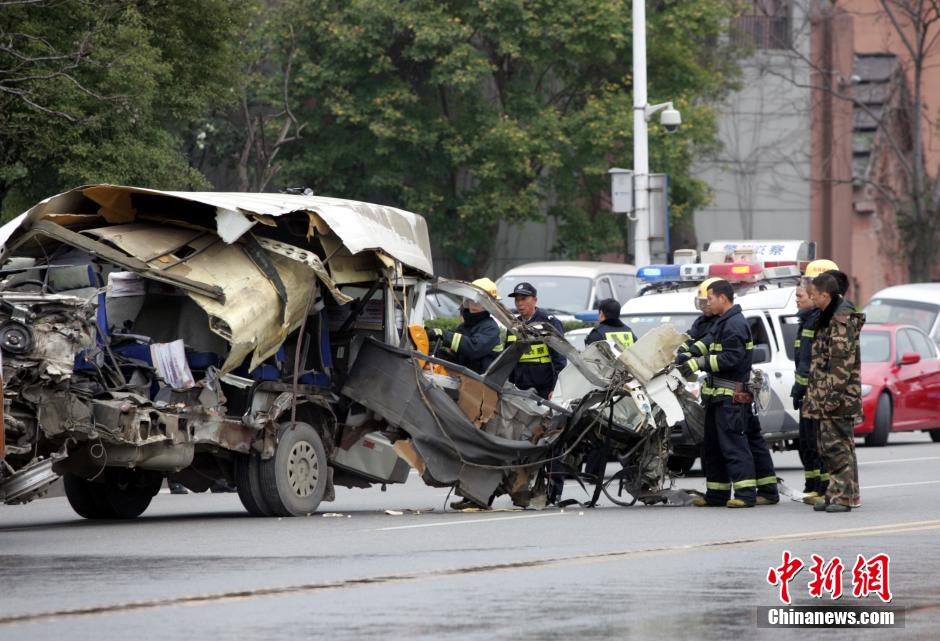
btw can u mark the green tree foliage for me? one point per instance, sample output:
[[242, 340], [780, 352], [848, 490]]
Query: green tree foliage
[[105, 91], [479, 111]]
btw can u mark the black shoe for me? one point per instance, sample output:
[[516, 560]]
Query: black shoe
[[177, 488]]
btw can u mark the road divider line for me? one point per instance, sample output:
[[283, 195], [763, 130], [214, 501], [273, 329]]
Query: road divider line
[[900, 460], [412, 577], [470, 521], [878, 487]]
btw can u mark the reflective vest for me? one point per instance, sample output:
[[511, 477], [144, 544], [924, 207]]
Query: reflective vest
[[624, 338], [537, 352]]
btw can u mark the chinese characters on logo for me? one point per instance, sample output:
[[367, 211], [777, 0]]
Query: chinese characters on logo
[[869, 576]]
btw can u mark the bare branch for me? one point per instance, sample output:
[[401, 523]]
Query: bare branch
[[901, 156], [898, 28]]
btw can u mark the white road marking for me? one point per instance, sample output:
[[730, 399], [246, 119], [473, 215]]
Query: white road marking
[[877, 487], [900, 460], [466, 521]]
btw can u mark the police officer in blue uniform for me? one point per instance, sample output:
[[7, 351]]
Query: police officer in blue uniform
[[609, 325], [539, 367], [726, 455]]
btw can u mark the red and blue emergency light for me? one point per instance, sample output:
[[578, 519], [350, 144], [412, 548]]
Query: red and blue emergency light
[[735, 271], [697, 272]]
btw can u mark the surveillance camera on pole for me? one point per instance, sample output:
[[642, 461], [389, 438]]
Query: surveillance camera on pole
[[670, 119], [669, 116]]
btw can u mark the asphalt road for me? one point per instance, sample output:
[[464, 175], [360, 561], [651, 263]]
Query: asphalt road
[[197, 567]]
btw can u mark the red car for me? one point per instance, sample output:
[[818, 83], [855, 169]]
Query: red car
[[900, 382]]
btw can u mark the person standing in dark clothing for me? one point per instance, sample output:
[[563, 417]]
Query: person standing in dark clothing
[[834, 395], [474, 343], [609, 326], [699, 333], [699, 345], [539, 366], [726, 457], [814, 475]]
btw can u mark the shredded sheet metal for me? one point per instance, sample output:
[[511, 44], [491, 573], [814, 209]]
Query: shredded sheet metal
[[361, 226], [250, 317], [652, 353]]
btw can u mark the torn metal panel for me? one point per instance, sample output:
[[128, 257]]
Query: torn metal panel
[[348, 269], [232, 225], [653, 353], [309, 259], [572, 384], [132, 422], [406, 450], [250, 319], [361, 226], [115, 204], [374, 457], [386, 381], [477, 295], [146, 241], [662, 392], [57, 232], [227, 432], [477, 400]]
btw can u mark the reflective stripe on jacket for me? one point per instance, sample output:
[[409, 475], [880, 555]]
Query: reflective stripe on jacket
[[539, 366], [474, 343], [614, 330]]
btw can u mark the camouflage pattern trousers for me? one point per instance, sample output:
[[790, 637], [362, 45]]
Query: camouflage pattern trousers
[[836, 442]]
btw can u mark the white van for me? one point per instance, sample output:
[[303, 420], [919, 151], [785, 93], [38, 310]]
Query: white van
[[917, 304], [568, 287]]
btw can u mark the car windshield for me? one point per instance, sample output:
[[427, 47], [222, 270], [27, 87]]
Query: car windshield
[[902, 312], [642, 323], [559, 293], [876, 347]]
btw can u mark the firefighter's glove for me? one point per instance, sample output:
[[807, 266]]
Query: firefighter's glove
[[434, 332], [682, 357], [690, 367], [698, 348]]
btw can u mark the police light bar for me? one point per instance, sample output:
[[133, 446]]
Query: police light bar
[[589, 316], [735, 271], [694, 271], [658, 273], [781, 271]]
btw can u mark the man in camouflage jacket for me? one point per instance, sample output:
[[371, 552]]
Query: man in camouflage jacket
[[834, 394]]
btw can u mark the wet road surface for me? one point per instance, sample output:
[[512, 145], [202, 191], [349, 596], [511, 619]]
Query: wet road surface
[[196, 566]]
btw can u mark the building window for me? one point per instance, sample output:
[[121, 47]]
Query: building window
[[765, 25]]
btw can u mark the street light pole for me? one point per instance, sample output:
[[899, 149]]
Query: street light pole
[[641, 170]]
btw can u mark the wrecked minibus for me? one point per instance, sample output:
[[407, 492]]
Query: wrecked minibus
[[268, 341]]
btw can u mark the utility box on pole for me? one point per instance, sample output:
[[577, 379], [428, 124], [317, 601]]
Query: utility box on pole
[[659, 217], [621, 190]]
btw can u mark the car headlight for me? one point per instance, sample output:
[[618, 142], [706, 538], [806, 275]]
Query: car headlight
[[866, 389]]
